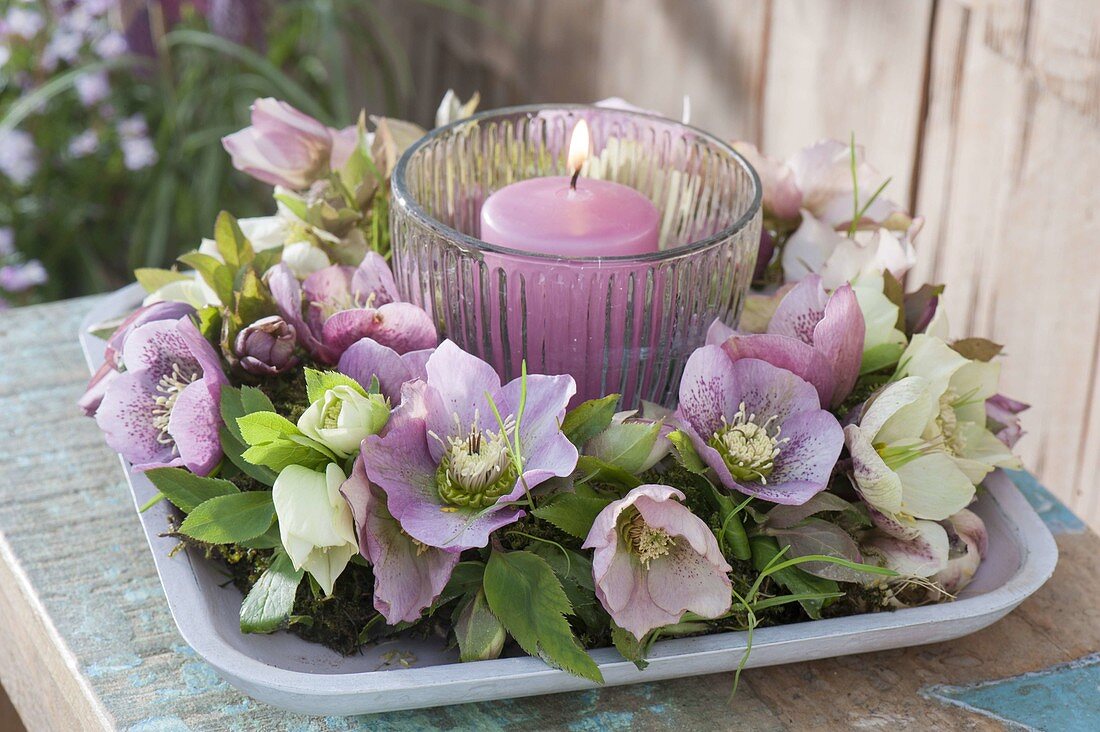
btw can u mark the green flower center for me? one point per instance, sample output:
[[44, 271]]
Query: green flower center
[[168, 391], [331, 414], [644, 541], [948, 423], [476, 468], [748, 446]]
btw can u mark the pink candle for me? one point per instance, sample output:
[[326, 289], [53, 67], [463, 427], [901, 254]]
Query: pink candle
[[545, 216], [594, 320]]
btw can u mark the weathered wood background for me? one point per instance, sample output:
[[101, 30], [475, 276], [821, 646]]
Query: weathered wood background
[[986, 114]]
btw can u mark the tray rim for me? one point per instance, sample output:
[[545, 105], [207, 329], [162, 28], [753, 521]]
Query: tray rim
[[1039, 555]]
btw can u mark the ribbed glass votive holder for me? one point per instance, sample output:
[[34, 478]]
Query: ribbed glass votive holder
[[621, 324]]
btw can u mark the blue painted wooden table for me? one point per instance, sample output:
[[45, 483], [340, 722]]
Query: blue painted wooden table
[[87, 640]]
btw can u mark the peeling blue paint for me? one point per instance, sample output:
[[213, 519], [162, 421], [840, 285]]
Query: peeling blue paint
[[160, 724], [1054, 513], [1065, 697]]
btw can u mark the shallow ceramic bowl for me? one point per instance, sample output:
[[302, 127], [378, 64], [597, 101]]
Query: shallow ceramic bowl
[[286, 671]]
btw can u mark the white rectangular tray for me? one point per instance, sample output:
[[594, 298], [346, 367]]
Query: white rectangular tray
[[286, 671]]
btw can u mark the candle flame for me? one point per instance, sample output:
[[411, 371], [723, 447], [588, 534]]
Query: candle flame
[[578, 147]]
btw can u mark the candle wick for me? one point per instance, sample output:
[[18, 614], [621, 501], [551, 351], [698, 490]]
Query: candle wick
[[573, 180]]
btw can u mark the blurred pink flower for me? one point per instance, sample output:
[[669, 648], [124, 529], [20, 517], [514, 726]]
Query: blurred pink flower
[[286, 147]]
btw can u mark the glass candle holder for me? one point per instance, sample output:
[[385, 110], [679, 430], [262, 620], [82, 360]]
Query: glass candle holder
[[622, 324]]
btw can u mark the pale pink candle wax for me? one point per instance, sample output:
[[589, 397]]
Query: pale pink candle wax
[[598, 218], [595, 320]]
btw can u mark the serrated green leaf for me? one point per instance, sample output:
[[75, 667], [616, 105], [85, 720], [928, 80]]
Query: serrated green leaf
[[234, 449], [282, 453], [270, 539], [185, 489], [254, 400], [271, 600], [686, 454], [230, 519], [152, 279], [258, 428], [589, 419], [318, 382], [595, 470], [796, 581], [526, 596], [232, 243], [571, 513]]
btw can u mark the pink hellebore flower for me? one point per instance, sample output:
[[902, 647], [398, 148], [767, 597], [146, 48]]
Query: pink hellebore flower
[[968, 542], [366, 360], [812, 334], [164, 409], [408, 575], [286, 147], [445, 463], [759, 427], [336, 306], [654, 560], [112, 354]]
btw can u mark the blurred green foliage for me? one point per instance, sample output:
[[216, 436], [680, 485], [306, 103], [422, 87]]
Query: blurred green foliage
[[137, 176]]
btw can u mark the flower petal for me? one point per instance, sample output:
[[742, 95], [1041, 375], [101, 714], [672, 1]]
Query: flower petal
[[879, 486], [708, 391], [935, 488], [372, 282], [789, 354], [194, 424], [367, 358]]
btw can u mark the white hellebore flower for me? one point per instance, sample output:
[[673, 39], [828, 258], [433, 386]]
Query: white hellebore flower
[[960, 422], [315, 523], [882, 341], [343, 417], [900, 464], [303, 259]]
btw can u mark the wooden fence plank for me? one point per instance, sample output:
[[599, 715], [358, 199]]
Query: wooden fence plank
[[1011, 144], [837, 66]]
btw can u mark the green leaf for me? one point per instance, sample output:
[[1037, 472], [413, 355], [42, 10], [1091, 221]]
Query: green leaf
[[814, 536], [466, 579], [575, 572], [629, 647], [209, 321], [259, 428], [234, 450], [271, 600], [686, 454], [318, 382], [232, 243], [593, 469], [185, 489], [152, 279], [230, 519], [589, 419], [254, 400], [294, 204], [217, 275], [270, 539], [880, 356], [764, 550], [571, 513], [527, 598], [731, 532], [266, 259], [281, 453]]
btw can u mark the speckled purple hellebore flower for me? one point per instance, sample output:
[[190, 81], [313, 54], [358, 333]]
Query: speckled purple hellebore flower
[[815, 335], [444, 461], [408, 575], [163, 410], [759, 427], [112, 354], [367, 359], [343, 304], [654, 560]]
